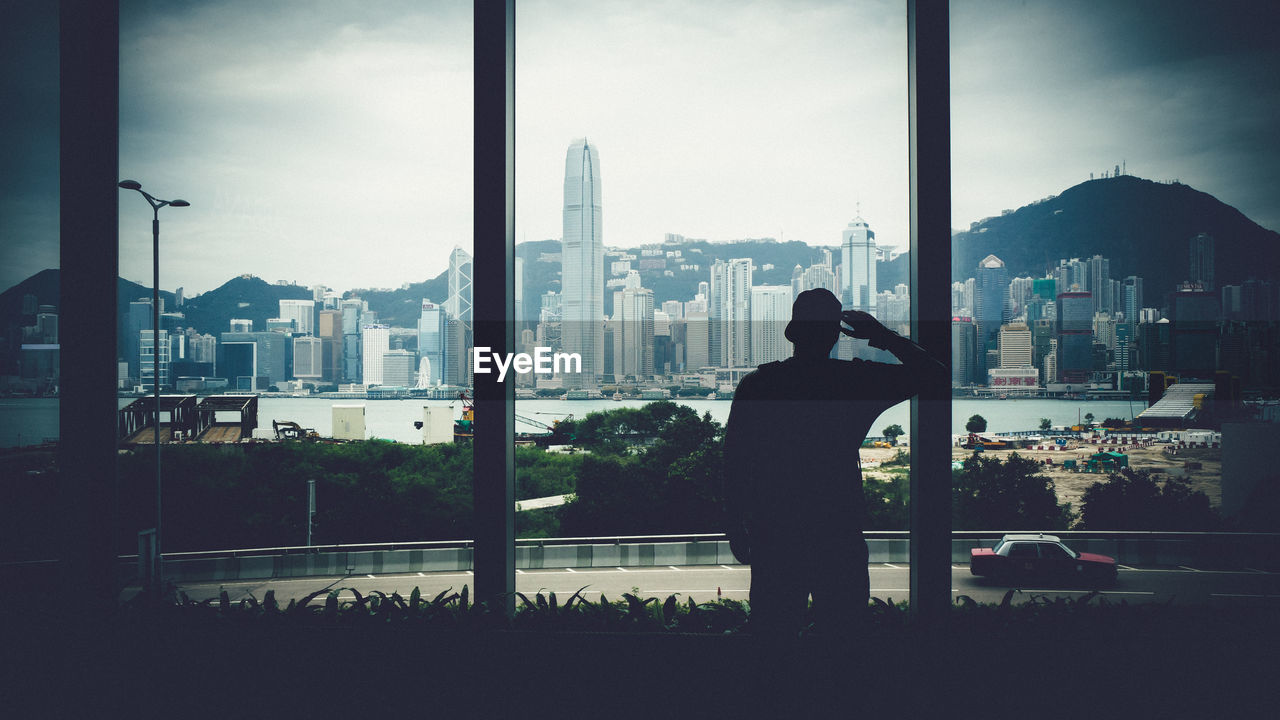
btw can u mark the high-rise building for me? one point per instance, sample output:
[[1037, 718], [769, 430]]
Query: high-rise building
[[375, 342], [730, 308], [1050, 362], [770, 313], [330, 332], [1015, 346], [139, 318], [308, 358], [1045, 287], [302, 312], [1131, 298], [858, 267], [1100, 283], [397, 368], [352, 316], [1194, 313], [147, 360], [1042, 335], [1075, 337], [241, 325], [991, 307], [519, 295], [458, 307], [582, 270], [432, 326], [1020, 292], [1201, 260], [633, 330], [963, 353], [1104, 330], [697, 351], [270, 358]]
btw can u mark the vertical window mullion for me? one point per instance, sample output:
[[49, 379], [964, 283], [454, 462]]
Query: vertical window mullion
[[493, 280], [928, 53]]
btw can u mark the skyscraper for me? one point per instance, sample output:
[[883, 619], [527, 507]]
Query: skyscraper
[[858, 267], [633, 330], [1075, 337], [330, 332], [375, 342], [991, 307], [770, 313], [730, 309], [582, 256], [1201, 260], [458, 306], [308, 358], [1100, 284], [1015, 346], [432, 327], [302, 312]]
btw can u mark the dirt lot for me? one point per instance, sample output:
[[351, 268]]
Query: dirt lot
[[1071, 485]]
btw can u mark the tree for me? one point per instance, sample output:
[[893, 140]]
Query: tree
[[893, 432], [1046, 424], [1088, 419], [976, 424], [1134, 500], [988, 494]]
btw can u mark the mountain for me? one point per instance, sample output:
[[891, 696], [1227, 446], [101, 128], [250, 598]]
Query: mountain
[[246, 296], [46, 286], [1142, 226]]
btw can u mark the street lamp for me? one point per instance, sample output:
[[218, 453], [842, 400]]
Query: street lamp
[[157, 579]]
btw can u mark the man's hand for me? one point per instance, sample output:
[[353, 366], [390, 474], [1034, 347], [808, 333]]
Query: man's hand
[[863, 326]]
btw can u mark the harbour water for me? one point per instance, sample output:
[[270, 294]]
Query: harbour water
[[29, 421]]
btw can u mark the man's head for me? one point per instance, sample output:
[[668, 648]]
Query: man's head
[[815, 321]]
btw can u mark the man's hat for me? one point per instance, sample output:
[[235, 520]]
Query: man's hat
[[812, 310]]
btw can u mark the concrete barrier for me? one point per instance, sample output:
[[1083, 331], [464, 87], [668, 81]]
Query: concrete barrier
[[1206, 551]]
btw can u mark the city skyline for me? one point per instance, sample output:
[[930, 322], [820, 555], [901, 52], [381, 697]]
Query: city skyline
[[301, 135]]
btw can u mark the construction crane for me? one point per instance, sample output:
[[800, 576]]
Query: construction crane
[[464, 428]]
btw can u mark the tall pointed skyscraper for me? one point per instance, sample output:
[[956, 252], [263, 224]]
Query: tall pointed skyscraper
[[583, 263], [858, 267], [457, 306]]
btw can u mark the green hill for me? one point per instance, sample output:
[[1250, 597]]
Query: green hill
[[1142, 226]]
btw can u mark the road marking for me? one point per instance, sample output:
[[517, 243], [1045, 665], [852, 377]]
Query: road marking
[[891, 566], [621, 569], [371, 577], [1184, 567], [570, 570], [1237, 595], [421, 575], [673, 567], [1264, 572], [1125, 567], [519, 571], [1121, 592], [726, 567]]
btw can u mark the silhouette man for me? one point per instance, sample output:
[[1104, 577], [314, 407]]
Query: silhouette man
[[793, 484]]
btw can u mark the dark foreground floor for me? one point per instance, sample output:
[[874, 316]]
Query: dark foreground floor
[[1219, 669]]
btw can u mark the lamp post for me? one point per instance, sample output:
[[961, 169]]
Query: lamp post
[[157, 580]]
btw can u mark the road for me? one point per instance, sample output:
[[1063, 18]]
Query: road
[[889, 581]]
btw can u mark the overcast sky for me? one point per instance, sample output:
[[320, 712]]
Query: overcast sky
[[330, 142]]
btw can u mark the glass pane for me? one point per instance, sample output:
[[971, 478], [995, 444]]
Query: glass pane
[[325, 151], [1112, 321], [29, 304], [683, 172]]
